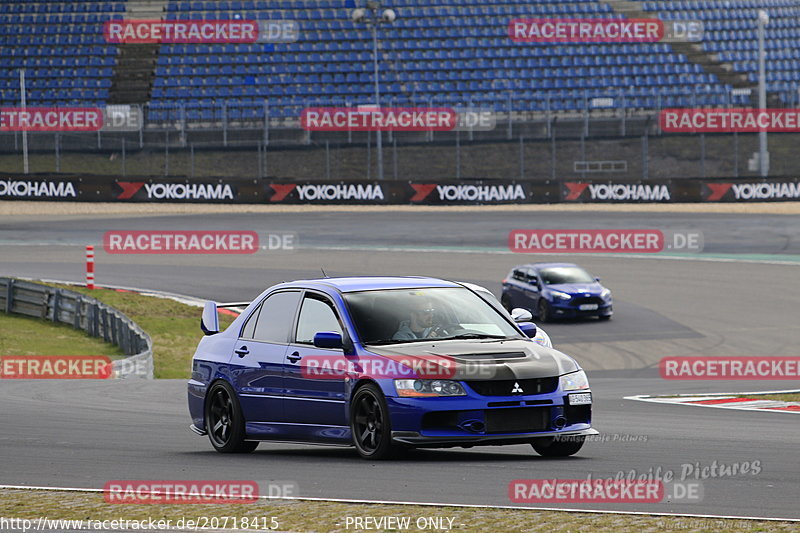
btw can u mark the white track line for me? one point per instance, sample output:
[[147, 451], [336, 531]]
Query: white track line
[[755, 405], [441, 504]]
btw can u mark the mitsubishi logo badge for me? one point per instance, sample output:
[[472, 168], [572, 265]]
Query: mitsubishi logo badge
[[516, 388]]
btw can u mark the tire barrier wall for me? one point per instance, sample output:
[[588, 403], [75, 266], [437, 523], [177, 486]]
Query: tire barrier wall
[[422, 192], [85, 313]]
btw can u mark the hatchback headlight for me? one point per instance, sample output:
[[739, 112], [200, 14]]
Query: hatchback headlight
[[428, 387], [560, 295], [606, 295], [574, 381]]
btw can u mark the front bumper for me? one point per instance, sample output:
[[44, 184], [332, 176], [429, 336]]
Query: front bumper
[[477, 419], [415, 439], [568, 310]]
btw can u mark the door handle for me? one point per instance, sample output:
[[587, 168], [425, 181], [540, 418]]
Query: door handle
[[294, 357], [241, 352]]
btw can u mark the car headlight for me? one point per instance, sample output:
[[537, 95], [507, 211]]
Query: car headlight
[[560, 295], [574, 381], [606, 295], [428, 387]]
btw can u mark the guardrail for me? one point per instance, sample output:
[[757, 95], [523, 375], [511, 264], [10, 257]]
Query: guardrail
[[85, 313]]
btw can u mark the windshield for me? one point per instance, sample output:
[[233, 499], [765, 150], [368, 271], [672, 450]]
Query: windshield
[[557, 275], [409, 315]]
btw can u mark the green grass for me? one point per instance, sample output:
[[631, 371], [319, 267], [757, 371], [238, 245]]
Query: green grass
[[174, 327], [789, 397], [330, 517], [21, 335]]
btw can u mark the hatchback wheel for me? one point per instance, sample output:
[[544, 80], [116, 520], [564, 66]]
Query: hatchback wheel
[[543, 310], [224, 420]]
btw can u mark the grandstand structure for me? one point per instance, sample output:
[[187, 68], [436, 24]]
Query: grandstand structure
[[437, 53], [447, 52]]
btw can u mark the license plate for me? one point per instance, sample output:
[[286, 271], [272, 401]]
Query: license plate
[[588, 307], [582, 398]]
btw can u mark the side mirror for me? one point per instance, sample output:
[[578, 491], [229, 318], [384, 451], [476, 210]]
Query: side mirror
[[528, 328], [533, 280], [519, 314], [209, 322], [328, 339], [597, 279]]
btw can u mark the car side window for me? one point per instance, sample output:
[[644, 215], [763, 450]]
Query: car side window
[[250, 326], [518, 275], [274, 322], [316, 315]]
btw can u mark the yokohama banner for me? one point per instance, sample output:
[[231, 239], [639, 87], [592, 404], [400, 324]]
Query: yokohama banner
[[85, 188]]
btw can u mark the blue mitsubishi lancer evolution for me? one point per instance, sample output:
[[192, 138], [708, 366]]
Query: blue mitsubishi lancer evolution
[[383, 364]]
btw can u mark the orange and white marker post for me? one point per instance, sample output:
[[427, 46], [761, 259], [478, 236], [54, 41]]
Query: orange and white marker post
[[90, 267]]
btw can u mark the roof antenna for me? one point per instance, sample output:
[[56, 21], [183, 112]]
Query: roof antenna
[[324, 275]]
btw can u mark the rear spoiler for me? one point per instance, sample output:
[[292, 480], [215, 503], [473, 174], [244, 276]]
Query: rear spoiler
[[209, 322]]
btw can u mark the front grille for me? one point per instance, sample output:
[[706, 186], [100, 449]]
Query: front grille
[[587, 300], [504, 387], [523, 419]]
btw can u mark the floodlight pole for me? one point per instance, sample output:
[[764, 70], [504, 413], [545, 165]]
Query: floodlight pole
[[378, 133], [763, 162], [372, 16]]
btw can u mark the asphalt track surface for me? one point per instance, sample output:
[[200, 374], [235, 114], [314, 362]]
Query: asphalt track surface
[[73, 434]]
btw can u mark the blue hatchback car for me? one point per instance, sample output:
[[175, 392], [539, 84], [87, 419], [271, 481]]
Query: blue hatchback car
[[382, 364], [556, 290]]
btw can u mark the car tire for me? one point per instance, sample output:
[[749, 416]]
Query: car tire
[[543, 310], [556, 447], [505, 301], [370, 424], [224, 420]]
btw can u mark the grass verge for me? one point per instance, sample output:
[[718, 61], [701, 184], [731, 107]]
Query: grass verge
[[787, 397], [173, 326], [332, 517], [22, 335]]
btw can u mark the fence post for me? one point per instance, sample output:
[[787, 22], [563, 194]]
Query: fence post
[[327, 159], [369, 155], [166, 153], [509, 134], [735, 154], [56, 304], [58, 152], [124, 156], [458, 155], [521, 158], [225, 124], [394, 157], [703, 154], [260, 174], [645, 155], [553, 150], [10, 295]]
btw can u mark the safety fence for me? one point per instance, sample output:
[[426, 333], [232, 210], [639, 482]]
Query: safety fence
[[85, 313]]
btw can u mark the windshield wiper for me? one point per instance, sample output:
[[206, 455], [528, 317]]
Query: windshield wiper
[[392, 341], [474, 336]]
